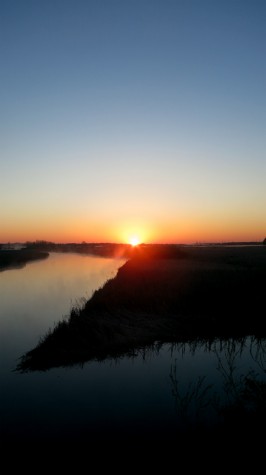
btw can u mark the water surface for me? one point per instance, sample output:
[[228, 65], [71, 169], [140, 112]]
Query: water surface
[[160, 391]]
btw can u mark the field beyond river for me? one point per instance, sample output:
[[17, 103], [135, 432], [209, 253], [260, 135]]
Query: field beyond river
[[162, 295]]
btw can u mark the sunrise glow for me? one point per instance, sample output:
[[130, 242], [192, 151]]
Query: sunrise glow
[[134, 241], [107, 141]]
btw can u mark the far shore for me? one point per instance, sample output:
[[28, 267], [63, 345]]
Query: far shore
[[162, 294], [15, 259]]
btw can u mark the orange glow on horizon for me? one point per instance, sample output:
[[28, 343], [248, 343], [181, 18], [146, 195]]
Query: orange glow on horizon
[[184, 230], [134, 232], [134, 241]]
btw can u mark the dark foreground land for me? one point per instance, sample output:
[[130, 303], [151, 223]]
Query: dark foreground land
[[162, 294], [19, 258]]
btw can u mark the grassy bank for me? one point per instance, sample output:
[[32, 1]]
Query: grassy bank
[[198, 293], [19, 258]]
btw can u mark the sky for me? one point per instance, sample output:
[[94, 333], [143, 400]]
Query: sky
[[123, 118]]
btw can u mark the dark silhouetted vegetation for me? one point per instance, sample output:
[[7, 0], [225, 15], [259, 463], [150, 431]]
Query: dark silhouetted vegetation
[[166, 295], [19, 258], [111, 250]]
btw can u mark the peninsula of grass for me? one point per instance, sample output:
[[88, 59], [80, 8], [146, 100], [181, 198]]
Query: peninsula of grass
[[19, 258], [162, 294]]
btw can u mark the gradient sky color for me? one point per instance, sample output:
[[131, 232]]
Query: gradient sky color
[[133, 117]]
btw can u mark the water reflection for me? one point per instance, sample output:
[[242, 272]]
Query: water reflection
[[34, 298], [157, 394], [239, 401]]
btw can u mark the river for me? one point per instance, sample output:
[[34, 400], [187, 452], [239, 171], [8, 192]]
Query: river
[[166, 389]]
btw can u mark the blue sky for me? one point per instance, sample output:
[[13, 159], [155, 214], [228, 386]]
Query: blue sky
[[123, 117]]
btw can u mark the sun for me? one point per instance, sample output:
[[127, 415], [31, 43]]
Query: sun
[[134, 241]]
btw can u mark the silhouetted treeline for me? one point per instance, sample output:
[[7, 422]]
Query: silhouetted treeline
[[100, 249], [109, 249], [18, 258], [113, 250]]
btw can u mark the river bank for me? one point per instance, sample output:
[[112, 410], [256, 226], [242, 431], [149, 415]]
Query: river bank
[[200, 293], [19, 258]]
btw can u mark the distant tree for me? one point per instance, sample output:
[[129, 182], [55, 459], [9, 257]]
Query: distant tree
[[264, 242]]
